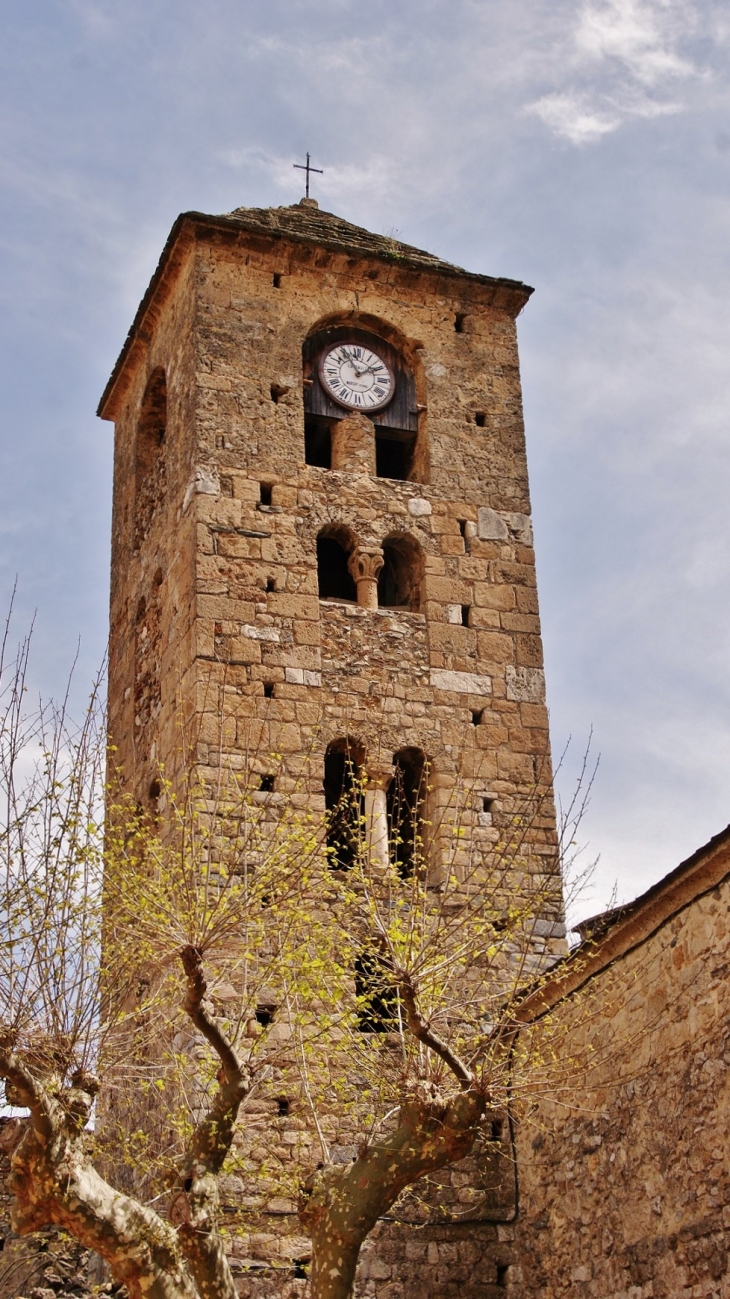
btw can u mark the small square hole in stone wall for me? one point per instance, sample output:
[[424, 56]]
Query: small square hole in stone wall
[[487, 803], [476, 716], [502, 1270], [265, 493], [282, 1106], [465, 612], [268, 690], [277, 280], [266, 785], [480, 418], [264, 1015], [459, 322], [271, 584]]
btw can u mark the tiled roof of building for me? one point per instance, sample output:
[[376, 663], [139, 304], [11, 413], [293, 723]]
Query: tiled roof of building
[[608, 937], [305, 221]]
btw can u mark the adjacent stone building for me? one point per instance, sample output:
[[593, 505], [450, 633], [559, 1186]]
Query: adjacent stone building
[[625, 1187]]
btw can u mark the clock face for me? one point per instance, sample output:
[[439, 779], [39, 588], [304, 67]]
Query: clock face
[[356, 377]]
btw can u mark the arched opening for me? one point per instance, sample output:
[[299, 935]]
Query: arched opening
[[377, 999], [344, 801], [399, 584], [152, 425], [406, 799], [335, 581], [149, 461]]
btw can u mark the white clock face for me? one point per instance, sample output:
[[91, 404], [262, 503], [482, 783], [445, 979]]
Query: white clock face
[[356, 377]]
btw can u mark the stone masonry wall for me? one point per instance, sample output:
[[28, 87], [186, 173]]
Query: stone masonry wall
[[152, 607], [626, 1193], [407, 678]]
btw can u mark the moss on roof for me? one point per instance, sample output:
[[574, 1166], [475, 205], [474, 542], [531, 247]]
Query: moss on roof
[[306, 222]]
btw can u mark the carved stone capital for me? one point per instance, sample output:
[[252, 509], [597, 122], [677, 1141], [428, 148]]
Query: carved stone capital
[[377, 774], [366, 564]]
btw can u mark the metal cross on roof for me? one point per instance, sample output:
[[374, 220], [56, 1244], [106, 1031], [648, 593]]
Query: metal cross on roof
[[306, 167]]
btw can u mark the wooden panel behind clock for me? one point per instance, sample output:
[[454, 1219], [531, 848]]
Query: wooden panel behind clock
[[400, 413]]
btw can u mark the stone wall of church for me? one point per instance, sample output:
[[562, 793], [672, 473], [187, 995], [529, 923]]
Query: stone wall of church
[[625, 1192], [460, 677], [220, 589], [152, 599]]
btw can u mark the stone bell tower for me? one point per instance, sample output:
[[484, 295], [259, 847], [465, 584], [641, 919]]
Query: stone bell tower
[[322, 530]]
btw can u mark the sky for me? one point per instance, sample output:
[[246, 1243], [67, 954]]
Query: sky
[[580, 145]]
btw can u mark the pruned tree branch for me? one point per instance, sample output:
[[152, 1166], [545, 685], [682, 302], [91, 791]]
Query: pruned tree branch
[[340, 1205], [421, 1030], [237, 1078], [22, 1088], [53, 1182], [195, 1207]]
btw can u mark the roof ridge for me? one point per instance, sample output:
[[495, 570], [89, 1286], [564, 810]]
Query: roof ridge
[[306, 218]]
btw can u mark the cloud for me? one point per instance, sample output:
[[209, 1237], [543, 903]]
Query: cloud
[[622, 60], [639, 34], [575, 117]]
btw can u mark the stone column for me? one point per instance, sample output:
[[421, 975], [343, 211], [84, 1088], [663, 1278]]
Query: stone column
[[378, 776], [365, 564], [353, 444]]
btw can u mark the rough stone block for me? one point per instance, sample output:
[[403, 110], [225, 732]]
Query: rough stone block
[[419, 507], [491, 526], [462, 683]]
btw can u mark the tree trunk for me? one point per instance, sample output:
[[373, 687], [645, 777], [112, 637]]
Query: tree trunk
[[53, 1183], [196, 1206], [194, 1212], [340, 1206]]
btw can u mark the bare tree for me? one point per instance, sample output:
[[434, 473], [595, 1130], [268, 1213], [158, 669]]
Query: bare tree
[[162, 970]]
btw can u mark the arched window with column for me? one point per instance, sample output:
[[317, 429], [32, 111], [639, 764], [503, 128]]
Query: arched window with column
[[400, 580], [335, 544], [406, 801], [343, 797]]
